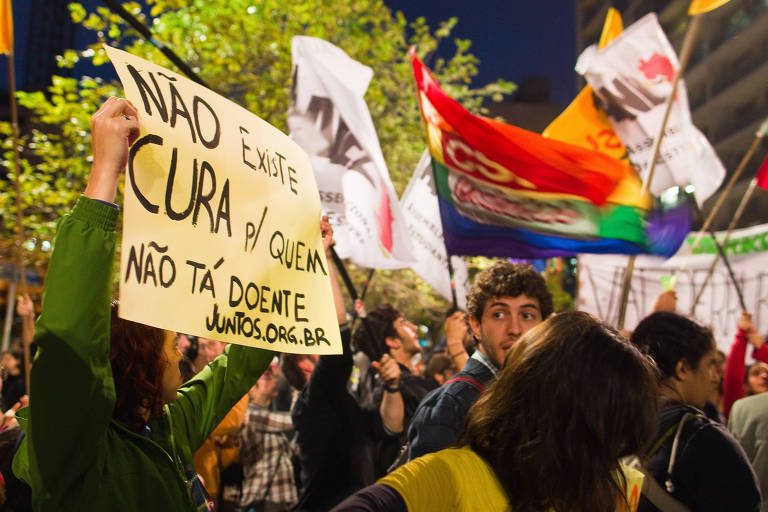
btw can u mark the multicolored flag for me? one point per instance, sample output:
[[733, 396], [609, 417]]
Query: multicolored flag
[[633, 77], [330, 120], [702, 6], [6, 27], [505, 191]]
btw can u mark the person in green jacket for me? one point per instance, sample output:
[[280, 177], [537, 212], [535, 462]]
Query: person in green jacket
[[108, 428]]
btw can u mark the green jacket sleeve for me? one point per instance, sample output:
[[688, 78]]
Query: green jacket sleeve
[[203, 402], [72, 392]]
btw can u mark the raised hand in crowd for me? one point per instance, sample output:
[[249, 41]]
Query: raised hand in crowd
[[392, 408], [24, 306], [455, 331], [745, 324], [666, 301], [114, 127]]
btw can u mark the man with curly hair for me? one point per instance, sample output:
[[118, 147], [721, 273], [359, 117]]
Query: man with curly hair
[[505, 301]]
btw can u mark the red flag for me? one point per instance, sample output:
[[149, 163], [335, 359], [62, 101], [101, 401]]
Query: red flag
[[762, 175]]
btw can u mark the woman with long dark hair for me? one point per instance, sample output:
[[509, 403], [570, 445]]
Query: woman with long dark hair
[[694, 460], [572, 399], [108, 427]]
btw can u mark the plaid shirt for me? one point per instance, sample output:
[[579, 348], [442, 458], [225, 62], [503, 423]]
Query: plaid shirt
[[265, 454]]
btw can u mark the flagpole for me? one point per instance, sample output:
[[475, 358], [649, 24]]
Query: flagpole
[[731, 182], [721, 253], [453, 283], [685, 54], [731, 226]]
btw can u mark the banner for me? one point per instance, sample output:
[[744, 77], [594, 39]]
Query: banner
[[504, 191], [422, 216], [601, 279], [329, 119], [633, 77], [221, 223]]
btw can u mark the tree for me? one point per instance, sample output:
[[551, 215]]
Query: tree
[[242, 49]]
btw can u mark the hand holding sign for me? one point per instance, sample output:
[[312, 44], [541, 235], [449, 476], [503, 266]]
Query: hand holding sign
[[220, 231], [114, 127]]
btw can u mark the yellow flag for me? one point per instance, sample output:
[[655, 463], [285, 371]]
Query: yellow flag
[[6, 27], [611, 28], [702, 6], [583, 123]]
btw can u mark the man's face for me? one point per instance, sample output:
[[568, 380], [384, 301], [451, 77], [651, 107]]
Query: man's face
[[406, 331], [504, 320], [698, 387]]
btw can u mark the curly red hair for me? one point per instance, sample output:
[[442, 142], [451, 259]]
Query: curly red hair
[[138, 363]]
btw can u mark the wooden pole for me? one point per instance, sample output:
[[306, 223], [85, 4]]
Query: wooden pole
[[685, 55], [731, 226], [731, 182], [26, 336]]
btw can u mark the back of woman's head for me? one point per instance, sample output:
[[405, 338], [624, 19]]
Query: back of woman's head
[[669, 337], [138, 363], [572, 398]]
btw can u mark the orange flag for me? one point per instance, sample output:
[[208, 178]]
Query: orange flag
[[583, 123], [6, 27], [702, 6]]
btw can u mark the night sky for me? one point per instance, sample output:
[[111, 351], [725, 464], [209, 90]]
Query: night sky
[[522, 38]]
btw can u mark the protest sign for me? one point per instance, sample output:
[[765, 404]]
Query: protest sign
[[422, 216], [221, 234], [601, 278]]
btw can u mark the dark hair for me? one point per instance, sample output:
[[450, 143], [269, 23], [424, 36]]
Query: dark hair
[[138, 363], [193, 348], [438, 363], [505, 279], [572, 399], [668, 338], [380, 320]]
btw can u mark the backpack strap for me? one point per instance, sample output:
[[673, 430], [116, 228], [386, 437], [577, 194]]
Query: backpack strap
[[658, 496], [472, 381]]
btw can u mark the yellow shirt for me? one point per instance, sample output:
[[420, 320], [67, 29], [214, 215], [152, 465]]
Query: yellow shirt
[[459, 479]]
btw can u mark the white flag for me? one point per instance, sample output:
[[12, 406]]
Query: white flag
[[422, 215], [633, 77], [330, 120]]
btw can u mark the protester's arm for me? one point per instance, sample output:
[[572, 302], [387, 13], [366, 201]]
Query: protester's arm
[[455, 330], [733, 380], [25, 308], [338, 298], [374, 498], [72, 363], [392, 408]]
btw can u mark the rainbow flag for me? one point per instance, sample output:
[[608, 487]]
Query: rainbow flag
[[505, 191]]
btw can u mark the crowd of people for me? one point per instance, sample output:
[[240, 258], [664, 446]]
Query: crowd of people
[[520, 408]]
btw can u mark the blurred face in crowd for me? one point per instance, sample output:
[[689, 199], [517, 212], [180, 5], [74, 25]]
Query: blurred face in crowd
[[266, 386], [698, 382], [171, 373], [504, 320], [208, 349], [182, 343], [406, 331], [757, 378], [10, 363]]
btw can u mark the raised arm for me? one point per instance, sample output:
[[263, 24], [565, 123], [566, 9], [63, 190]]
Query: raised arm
[[72, 369]]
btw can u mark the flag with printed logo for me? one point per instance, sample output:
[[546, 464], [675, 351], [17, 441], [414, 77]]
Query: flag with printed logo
[[633, 77], [330, 120]]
